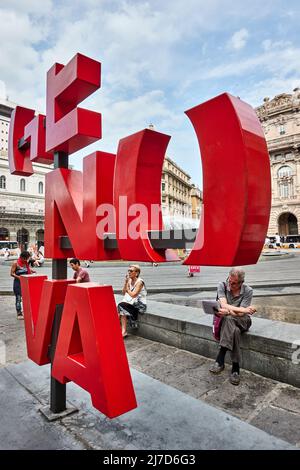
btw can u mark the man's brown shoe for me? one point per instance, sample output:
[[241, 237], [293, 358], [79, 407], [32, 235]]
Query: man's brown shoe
[[216, 368], [234, 378]]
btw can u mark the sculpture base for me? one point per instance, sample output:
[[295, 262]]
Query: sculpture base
[[45, 410]]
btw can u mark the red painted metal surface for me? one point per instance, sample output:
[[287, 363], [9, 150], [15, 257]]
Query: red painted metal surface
[[69, 128], [137, 188], [90, 349], [40, 297], [19, 159], [71, 207], [35, 133], [236, 183]]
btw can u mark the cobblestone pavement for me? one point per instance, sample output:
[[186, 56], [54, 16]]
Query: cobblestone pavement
[[269, 405]]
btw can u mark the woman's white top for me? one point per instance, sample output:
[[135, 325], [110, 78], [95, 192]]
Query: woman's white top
[[143, 293]]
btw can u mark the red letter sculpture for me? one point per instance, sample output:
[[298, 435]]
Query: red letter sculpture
[[137, 187], [72, 199], [19, 158], [237, 198], [40, 298], [69, 128], [90, 350], [236, 183]]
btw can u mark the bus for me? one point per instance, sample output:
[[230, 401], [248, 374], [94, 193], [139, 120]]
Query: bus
[[291, 241]]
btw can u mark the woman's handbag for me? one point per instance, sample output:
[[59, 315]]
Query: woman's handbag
[[136, 302]]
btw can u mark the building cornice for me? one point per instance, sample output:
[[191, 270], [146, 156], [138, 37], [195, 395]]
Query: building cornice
[[25, 196], [177, 177], [280, 104], [168, 159]]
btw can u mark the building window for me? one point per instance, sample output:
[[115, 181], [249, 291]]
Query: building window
[[284, 190], [281, 129], [22, 184], [41, 188], [285, 181], [2, 182], [22, 210], [163, 186], [285, 172], [2, 209]]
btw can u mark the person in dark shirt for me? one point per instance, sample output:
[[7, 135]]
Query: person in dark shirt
[[80, 274], [19, 268]]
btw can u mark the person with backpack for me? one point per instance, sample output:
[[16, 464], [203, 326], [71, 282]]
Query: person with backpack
[[235, 299]]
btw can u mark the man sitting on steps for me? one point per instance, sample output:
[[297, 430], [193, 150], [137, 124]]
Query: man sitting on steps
[[235, 298]]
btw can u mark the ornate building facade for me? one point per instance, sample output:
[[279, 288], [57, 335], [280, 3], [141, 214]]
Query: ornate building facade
[[21, 199], [196, 199], [176, 190], [280, 118]]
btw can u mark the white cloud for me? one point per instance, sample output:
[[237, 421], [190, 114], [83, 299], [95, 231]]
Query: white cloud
[[238, 39], [2, 90], [269, 45], [158, 58], [280, 61], [270, 88], [36, 7], [125, 117]]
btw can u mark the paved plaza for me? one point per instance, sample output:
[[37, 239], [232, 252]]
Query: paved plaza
[[174, 276], [258, 405], [267, 405]]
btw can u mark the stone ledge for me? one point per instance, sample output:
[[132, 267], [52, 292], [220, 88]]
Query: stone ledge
[[267, 349]]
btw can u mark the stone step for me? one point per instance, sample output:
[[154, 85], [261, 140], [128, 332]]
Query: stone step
[[270, 348]]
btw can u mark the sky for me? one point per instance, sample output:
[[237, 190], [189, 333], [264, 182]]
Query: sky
[[159, 58]]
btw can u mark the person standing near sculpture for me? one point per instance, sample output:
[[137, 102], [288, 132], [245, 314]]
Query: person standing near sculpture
[[278, 241], [80, 274], [19, 268], [235, 299]]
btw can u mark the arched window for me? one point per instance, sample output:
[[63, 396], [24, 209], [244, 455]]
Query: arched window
[[22, 184], [41, 188], [23, 238], [285, 171], [2, 182], [4, 233]]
